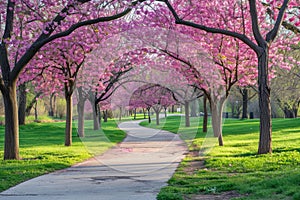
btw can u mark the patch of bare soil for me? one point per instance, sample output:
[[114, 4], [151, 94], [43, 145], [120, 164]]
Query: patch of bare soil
[[195, 164], [222, 196]]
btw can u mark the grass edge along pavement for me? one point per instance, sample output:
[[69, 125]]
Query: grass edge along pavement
[[236, 169], [42, 150]]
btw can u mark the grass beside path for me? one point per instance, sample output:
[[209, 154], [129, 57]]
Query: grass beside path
[[236, 166], [42, 150]]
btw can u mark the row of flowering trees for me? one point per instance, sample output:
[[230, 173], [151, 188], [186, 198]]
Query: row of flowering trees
[[211, 44]]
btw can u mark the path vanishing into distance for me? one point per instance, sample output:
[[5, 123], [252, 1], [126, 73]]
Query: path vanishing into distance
[[133, 170]]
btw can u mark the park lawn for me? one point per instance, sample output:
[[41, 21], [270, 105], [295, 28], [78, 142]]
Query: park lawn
[[42, 150], [236, 166]]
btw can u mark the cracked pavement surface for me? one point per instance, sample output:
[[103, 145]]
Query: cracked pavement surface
[[135, 169]]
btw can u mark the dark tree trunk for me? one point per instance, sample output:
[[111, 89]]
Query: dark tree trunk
[[105, 115], [22, 103], [265, 139], [36, 111], [194, 108], [149, 115], [173, 108], [289, 113], [134, 114], [245, 103], [187, 114], [69, 115], [11, 147], [205, 116], [98, 108]]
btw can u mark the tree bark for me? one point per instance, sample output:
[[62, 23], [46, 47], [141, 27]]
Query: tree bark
[[105, 116], [134, 114], [11, 147], [245, 103], [157, 117], [52, 106], [22, 103], [149, 115], [173, 108], [265, 139], [216, 114], [187, 113], [36, 111], [80, 110], [69, 115], [205, 116], [96, 117], [194, 108]]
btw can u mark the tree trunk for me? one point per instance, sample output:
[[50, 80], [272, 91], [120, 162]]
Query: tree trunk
[[105, 116], [69, 115], [80, 110], [288, 113], [99, 115], [11, 146], [96, 113], [194, 108], [157, 117], [205, 116], [51, 107], [166, 108], [216, 114], [173, 108], [149, 116], [36, 111], [265, 139], [187, 114], [134, 114], [32, 103], [245, 103], [22, 104]]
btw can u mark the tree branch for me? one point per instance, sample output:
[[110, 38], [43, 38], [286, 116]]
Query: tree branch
[[239, 36], [272, 34], [255, 27], [46, 38]]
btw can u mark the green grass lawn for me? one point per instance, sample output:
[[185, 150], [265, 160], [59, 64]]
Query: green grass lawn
[[42, 149], [236, 166]]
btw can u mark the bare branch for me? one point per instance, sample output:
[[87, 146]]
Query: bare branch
[[272, 34]]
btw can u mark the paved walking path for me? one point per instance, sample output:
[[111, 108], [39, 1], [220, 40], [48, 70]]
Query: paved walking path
[[134, 170]]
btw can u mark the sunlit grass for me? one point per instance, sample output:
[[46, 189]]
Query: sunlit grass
[[236, 166]]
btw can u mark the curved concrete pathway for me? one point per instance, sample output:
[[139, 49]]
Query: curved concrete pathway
[[135, 169]]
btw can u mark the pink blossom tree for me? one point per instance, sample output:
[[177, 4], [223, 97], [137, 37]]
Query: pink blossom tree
[[247, 23], [26, 26]]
